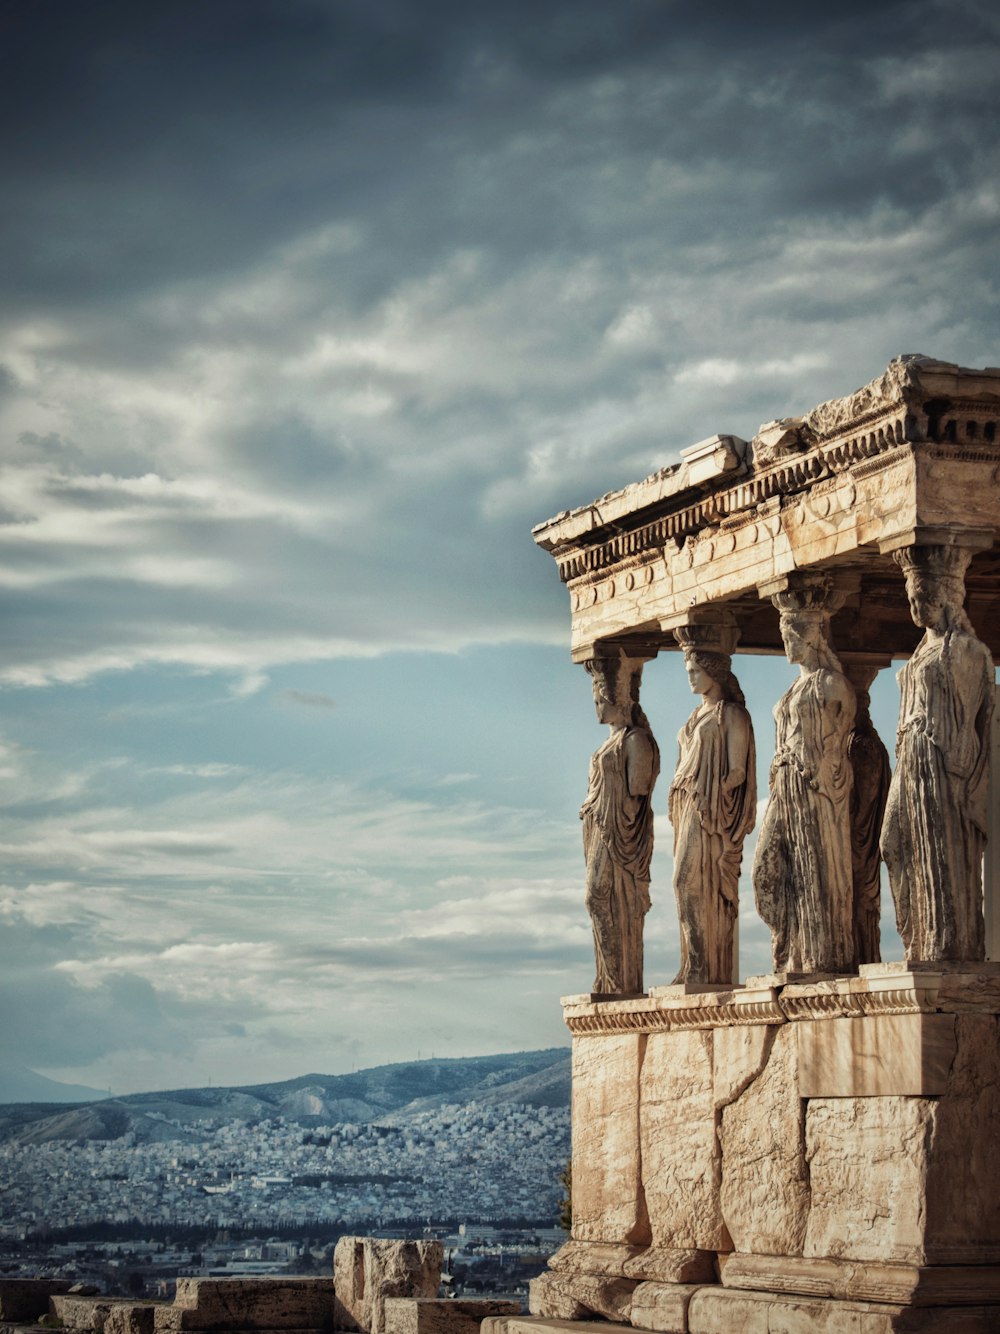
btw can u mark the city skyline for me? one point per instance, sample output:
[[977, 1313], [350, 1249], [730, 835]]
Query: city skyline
[[311, 311]]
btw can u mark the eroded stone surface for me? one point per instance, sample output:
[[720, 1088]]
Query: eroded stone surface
[[881, 1054], [130, 1319], [665, 1265], [853, 1280], [608, 1200], [367, 1270], [868, 1171], [81, 1313], [729, 1311], [963, 1179], [551, 1296], [451, 1315], [739, 1054], [765, 1182], [662, 1306], [680, 1150], [581, 1296]]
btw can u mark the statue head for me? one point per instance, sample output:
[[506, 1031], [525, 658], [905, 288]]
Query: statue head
[[935, 585], [617, 680], [804, 634], [706, 667], [804, 619]]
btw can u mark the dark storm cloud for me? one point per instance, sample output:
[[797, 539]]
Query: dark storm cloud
[[154, 143]]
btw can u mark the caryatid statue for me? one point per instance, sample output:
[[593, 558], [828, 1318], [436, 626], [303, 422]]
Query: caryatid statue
[[617, 820], [871, 771], [935, 821], [802, 875], [712, 806]]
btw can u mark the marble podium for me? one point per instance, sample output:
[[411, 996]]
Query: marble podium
[[808, 1150]]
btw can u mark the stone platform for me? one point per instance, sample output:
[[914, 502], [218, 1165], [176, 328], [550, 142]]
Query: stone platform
[[812, 1155]]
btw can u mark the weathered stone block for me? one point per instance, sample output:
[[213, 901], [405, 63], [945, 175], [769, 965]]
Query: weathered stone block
[[660, 1264], [536, 1325], [28, 1298], [868, 1173], [594, 1257], [681, 1161], [431, 1315], [248, 1304], [662, 1306], [130, 1319], [874, 1056], [739, 1054], [83, 1313], [581, 1296], [608, 1201], [551, 1297], [367, 1270], [728, 1311], [765, 1181], [963, 1175], [852, 1280]]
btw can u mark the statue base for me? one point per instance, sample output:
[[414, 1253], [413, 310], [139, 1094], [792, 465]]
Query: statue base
[[815, 1155]]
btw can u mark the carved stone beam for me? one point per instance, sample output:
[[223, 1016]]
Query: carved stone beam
[[973, 539], [712, 628], [800, 590], [638, 647]]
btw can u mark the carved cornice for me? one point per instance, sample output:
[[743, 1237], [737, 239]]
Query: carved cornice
[[881, 989], [898, 1000], [944, 411], [713, 1010]]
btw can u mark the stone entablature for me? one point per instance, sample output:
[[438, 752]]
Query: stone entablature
[[914, 454]]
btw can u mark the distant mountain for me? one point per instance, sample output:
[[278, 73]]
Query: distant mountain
[[19, 1084], [385, 1093]]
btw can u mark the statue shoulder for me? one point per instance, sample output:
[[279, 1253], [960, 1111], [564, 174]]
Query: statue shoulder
[[834, 687]]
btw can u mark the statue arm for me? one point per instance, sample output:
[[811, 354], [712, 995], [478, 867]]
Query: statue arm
[[839, 706], [640, 763], [971, 685], [737, 723]]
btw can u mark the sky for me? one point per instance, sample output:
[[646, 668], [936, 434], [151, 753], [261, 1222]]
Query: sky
[[309, 310]]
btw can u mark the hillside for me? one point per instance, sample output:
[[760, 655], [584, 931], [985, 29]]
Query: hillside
[[388, 1094], [19, 1084]]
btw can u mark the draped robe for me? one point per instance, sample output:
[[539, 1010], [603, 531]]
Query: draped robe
[[935, 822], [710, 824], [802, 873], [618, 847]]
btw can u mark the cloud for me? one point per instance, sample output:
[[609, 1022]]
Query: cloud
[[270, 379], [309, 313], [310, 699]]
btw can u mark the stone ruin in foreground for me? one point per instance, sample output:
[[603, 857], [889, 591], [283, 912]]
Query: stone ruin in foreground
[[814, 1149]]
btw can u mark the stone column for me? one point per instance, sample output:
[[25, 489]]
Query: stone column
[[936, 819], [802, 873], [617, 816], [712, 804], [871, 771]]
